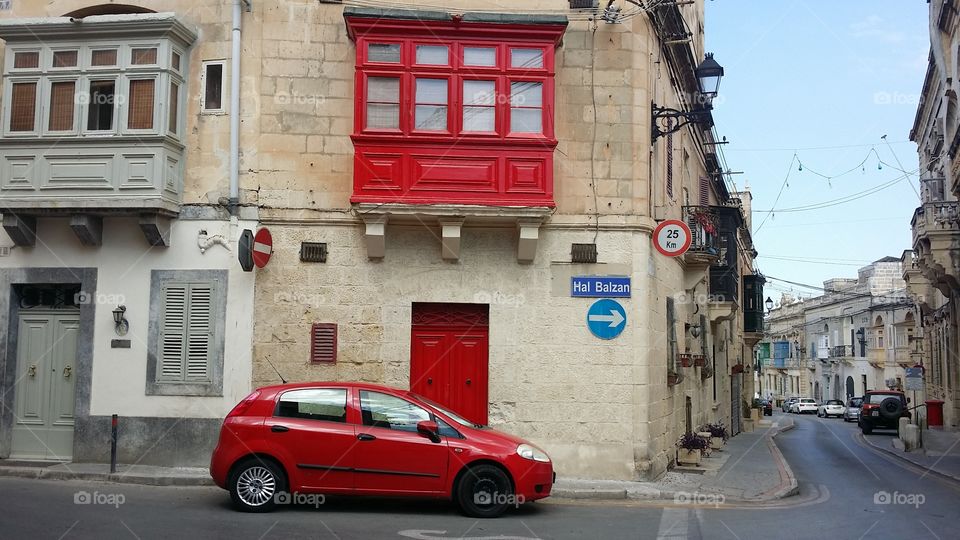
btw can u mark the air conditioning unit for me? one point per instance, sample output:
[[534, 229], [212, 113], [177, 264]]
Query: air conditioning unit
[[584, 4], [891, 383]]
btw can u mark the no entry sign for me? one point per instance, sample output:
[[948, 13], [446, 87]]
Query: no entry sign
[[262, 247], [672, 238]]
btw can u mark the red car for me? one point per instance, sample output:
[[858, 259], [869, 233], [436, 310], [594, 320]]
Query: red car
[[289, 442]]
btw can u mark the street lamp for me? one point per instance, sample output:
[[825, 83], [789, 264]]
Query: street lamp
[[709, 72], [769, 303], [667, 120]]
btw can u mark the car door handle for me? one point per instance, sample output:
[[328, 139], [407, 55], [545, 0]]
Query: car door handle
[[366, 437], [279, 429]]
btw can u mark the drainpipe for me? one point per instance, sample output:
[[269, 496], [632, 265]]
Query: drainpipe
[[238, 6]]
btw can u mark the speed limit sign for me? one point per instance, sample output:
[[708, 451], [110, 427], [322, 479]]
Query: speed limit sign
[[672, 238]]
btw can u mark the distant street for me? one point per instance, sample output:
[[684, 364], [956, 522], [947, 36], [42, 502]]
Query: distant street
[[839, 481]]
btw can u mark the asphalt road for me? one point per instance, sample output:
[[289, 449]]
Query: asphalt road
[[846, 491]]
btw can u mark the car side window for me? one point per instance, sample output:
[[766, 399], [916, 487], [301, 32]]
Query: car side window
[[386, 411], [328, 404]]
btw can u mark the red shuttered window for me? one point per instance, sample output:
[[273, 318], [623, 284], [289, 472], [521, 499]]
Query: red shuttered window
[[323, 343]]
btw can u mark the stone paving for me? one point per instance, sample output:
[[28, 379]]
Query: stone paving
[[940, 451]]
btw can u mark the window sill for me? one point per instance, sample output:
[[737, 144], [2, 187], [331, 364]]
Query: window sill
[[183, 389]]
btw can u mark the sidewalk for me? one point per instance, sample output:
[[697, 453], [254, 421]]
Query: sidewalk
[[126, 474], [940, 452], [749, 468]]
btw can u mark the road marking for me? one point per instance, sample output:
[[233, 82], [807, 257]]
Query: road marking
[[673, 523]]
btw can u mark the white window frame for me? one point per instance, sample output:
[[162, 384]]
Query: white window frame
[[223, 86], [8, 111], [122, 73], [124, 105], [115, 128], [47, 93]]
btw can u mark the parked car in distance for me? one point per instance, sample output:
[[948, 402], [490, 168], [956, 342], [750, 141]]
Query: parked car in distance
[[283, 442], [852, 412], [767, 406], [831, 407], [882, 409], [804, 405], [788, 403]]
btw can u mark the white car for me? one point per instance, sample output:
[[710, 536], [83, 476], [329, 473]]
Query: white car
[[804, 405], [832, 407]]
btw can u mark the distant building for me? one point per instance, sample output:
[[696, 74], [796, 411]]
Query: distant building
[[857, 336]]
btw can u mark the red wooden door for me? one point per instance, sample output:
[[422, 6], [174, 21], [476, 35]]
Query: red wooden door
[[449, 357]]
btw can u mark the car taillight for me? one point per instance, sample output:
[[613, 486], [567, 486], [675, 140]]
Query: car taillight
[[244, 405]]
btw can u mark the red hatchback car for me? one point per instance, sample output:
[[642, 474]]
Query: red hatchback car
[[283, 442]]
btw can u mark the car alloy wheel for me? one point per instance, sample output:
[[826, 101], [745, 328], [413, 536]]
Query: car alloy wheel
[[484, 491], [255, 485]]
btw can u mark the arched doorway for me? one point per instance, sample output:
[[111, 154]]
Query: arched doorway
[[850, 388]]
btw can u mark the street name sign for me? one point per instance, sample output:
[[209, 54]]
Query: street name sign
[[606, 319], [600, 286], [672, 238]]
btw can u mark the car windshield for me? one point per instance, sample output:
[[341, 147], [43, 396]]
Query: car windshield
[[878, 398], [449, 414], [834, 402], [807, 401]]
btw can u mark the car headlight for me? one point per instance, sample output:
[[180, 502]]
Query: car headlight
[[528, 451]]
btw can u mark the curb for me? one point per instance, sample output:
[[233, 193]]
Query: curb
[[924, 466], [119, 478], [788, 486]]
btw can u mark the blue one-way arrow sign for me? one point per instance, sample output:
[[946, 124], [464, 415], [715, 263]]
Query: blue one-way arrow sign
[[606, 319]]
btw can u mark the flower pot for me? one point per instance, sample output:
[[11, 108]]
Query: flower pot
[[736, 368], [674, 379], [699, 360], [689, 457], [686, 360], [704, 434], [716, 443]]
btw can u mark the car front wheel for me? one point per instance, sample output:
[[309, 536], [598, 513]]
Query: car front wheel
[[255, 484], [484, 491]]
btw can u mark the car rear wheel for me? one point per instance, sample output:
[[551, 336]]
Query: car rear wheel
[[484, 491], [254, 485], [867, 430]]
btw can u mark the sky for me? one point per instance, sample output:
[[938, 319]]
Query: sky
[[802, 75]]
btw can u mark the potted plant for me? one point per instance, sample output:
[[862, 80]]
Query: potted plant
[[718, 434], [690, 448], [686, 360], [674, 378], [699, 360], [705, 219]]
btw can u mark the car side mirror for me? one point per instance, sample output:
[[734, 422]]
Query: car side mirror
[[429, 429]]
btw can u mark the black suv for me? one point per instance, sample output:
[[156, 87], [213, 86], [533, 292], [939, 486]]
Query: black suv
[[882, 409]]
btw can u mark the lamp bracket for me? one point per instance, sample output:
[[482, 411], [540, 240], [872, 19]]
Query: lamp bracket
[[667, 120]]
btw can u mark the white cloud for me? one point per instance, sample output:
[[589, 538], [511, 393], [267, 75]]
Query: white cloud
[[875, 27]]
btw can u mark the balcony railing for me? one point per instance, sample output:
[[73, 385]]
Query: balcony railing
[[703, 228], [841, 351], [935, 217], [904, 356]]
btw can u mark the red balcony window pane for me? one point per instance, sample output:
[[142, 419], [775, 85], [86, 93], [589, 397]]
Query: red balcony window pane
[[526, 107], [479, 106], [383, 103], [430, 113]]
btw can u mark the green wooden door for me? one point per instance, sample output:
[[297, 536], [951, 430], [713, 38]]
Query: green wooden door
[[45, 386]]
